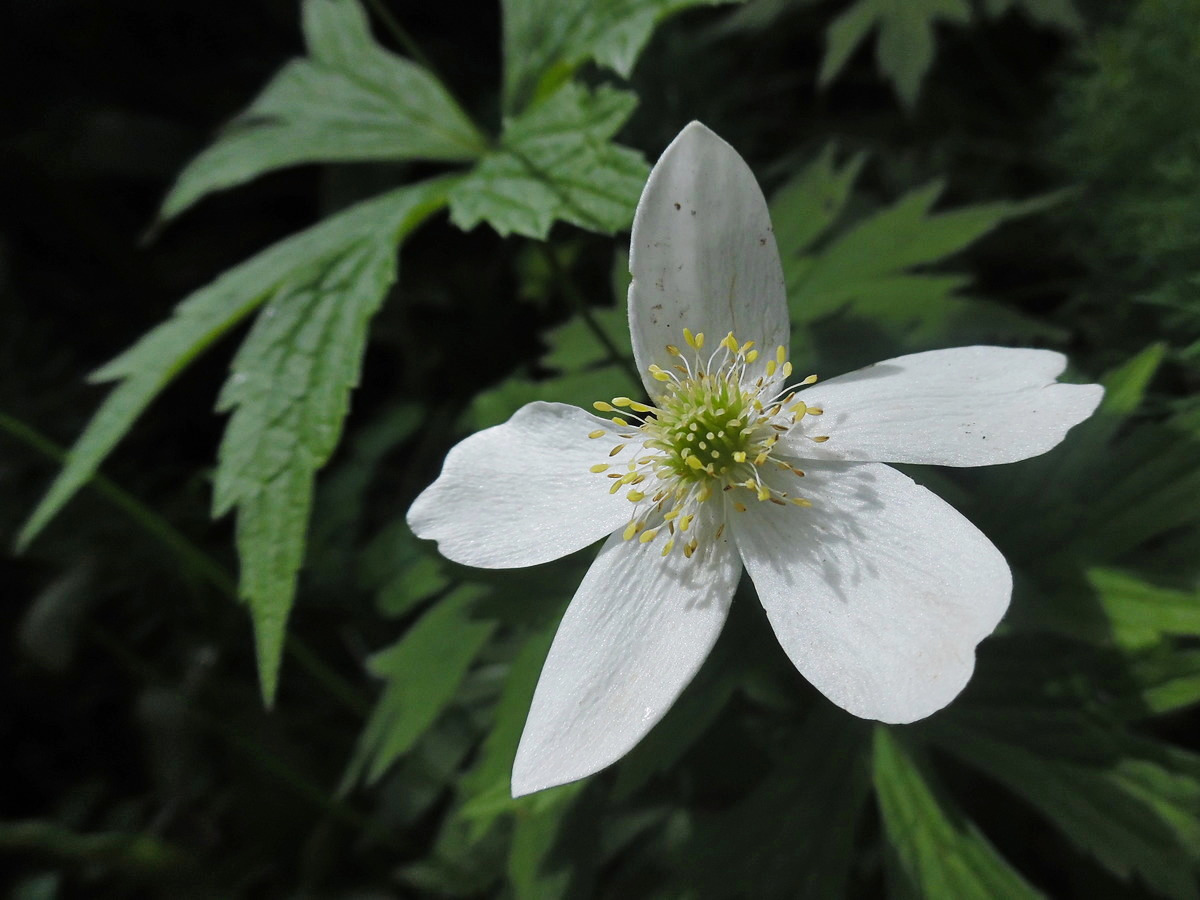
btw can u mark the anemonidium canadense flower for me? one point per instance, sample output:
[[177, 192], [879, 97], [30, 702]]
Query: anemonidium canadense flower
[[877, 589]]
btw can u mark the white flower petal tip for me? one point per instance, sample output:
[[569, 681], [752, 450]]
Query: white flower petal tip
[[521, 493], [635, 633], [967, 406], [702, 254], [879, 593]]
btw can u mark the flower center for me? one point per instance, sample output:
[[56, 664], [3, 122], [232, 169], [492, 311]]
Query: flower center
[[711, 435]]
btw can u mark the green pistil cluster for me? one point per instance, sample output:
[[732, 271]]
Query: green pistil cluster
[[704, 429], [713, 431]]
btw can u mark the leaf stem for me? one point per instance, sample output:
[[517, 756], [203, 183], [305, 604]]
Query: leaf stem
[[191, 556]]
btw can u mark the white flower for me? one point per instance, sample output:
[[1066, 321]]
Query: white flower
[[877, 589]]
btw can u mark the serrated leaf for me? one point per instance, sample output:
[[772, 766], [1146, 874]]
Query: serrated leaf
[[939, 852], [289, 393], [350, 100], [205, 315], [556, 162], [423, 671], [905, 46], [545, 41]]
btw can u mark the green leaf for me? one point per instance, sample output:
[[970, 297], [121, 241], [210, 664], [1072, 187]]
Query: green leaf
[[423, 671], [575, 348], [400, 569], [905, 47], [545, 41], [939, 852], [493, 406], [1054, 13], [809, 204], [556, 161], [289, 392], [1140, 613], [1118, 805], [486, 790], [866, 269], [208, 313], [532, 874], [350, 100]]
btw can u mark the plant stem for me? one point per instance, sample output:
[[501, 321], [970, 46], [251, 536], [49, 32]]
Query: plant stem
[[191, 556]]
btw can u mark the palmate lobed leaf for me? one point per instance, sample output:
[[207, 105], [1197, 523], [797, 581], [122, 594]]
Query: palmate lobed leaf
[[350, 100], [939, 853], [545, 41], [905, 47], [866, 268], [556, 161]]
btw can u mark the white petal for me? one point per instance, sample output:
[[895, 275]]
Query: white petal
[[970, 406], [879, 592], [633, 636], [703, 254], [522, 493]]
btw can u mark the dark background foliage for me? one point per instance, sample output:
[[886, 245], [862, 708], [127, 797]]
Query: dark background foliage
[[138, 757]]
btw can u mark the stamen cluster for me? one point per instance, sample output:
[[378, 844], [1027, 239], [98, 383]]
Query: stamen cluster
[[711, 434]]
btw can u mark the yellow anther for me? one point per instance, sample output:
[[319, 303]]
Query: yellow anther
[[751, 356], [800, 501], [763, 494], [729, 343], [635, 496], [599, 432], [621, 401], [787, 370], [673, 350], [689, 549], [668, 547], [658, 374], [770, 367], [699, 339], [694, 462], [685, 522], [821, 438], [627, 478], [811, 379], [689, 337], [617, 420], [641, 407], [617, 449], [746, 346], [648, 536], [601, 406], [704, 494], [799, 409], [616, 486], [599, 467], [630, 530], [739, 456], [815, 411], [673, 514], [780, 354]]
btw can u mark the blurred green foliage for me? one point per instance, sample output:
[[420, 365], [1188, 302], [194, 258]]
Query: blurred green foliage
[[382, 324]]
